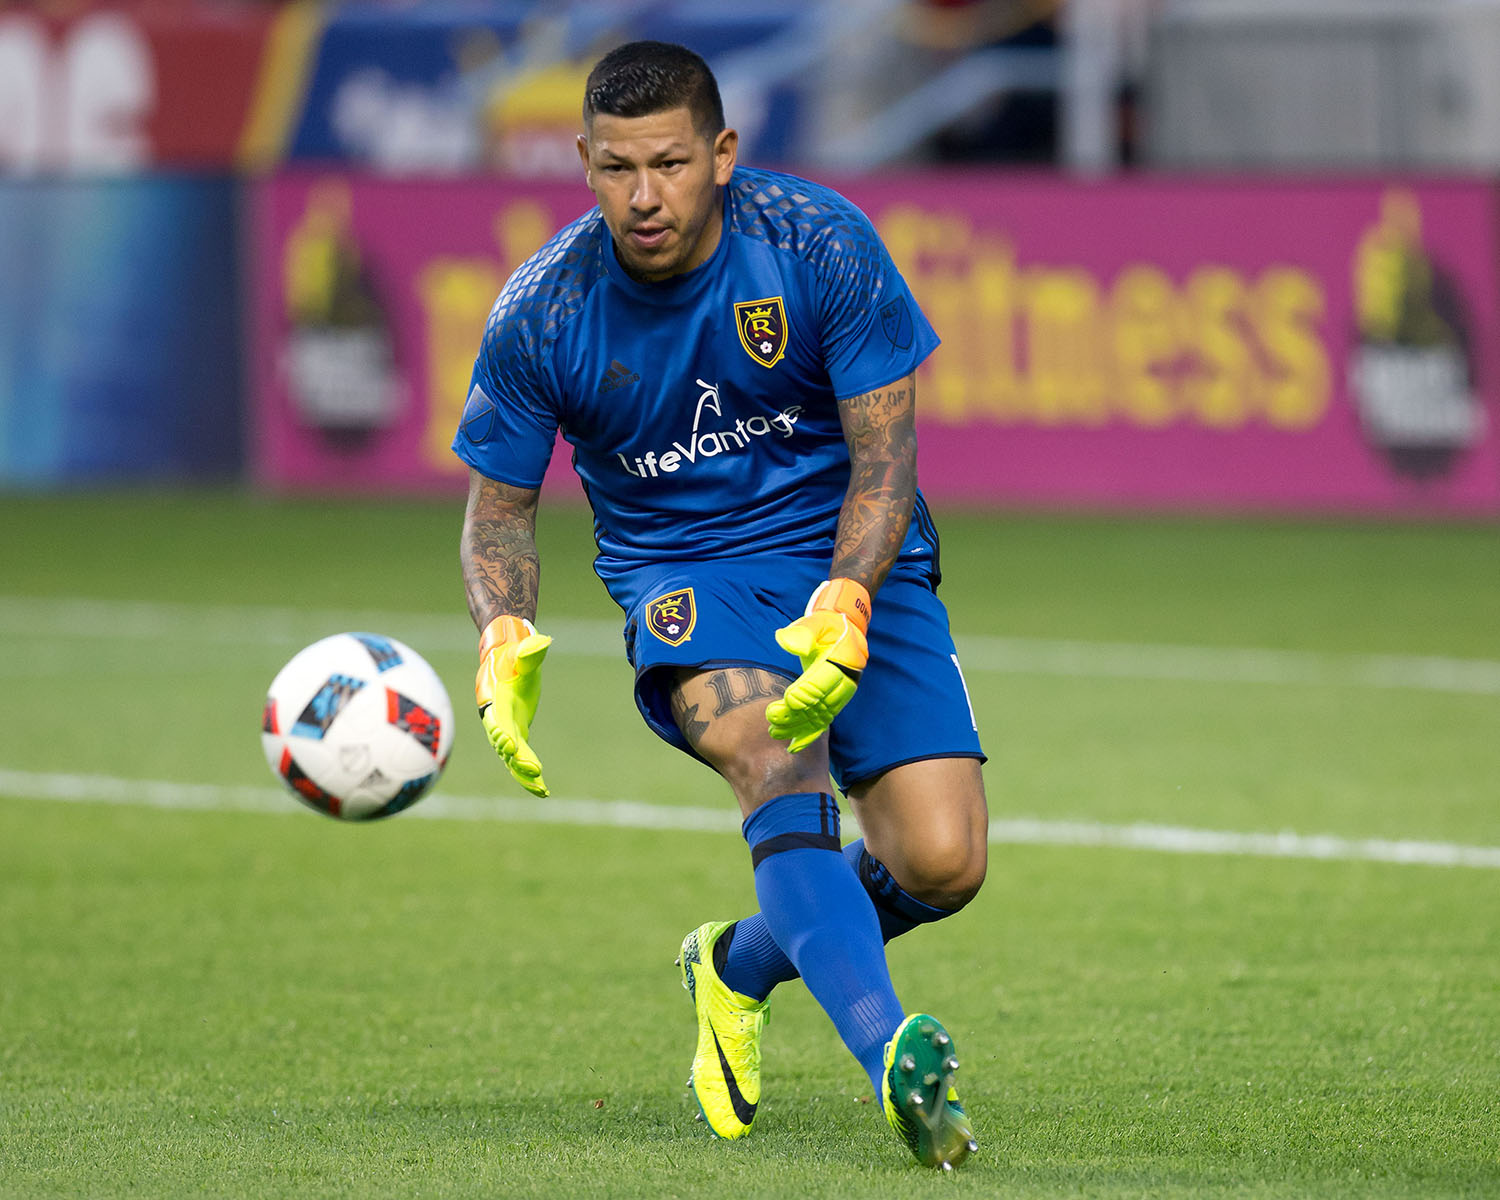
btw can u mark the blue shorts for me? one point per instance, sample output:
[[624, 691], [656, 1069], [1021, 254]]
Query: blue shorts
[[911, 703]]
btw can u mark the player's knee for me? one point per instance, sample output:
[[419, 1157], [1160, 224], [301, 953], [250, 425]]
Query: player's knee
[[945, 873], [762, 774]]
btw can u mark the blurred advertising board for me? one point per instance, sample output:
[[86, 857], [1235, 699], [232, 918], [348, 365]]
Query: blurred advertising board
[[444, 86], [1317, 347], [127, 86], [452, 88], [120, 324]]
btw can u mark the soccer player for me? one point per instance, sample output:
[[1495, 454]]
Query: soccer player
[[730, 353]]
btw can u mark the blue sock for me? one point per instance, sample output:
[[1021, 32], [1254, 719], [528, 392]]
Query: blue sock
[[754, 963], [824, 920], [899, 911]]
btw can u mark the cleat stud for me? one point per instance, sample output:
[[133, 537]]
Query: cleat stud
[[950, 1063], [917, 1099], [942, 1039], [947, 1166], [677, 962], [698, 1116], [930, 1078], [973, 1146], [926, 1028], [908, 1063]]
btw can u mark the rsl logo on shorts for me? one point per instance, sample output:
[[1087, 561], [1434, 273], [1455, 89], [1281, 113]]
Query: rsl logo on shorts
[[671, 616], [762, 326]]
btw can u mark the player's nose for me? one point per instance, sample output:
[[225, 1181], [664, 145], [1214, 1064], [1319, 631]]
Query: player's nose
[[646, 195]]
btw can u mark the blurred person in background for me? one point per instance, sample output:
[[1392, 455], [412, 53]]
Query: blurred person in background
[[1013, 124]]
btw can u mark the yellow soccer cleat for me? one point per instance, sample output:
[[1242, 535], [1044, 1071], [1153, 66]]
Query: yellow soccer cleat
[[726, 1065], [917, 1093]]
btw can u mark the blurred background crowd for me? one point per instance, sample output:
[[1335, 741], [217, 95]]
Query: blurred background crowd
[[461, 85], [166, 290]]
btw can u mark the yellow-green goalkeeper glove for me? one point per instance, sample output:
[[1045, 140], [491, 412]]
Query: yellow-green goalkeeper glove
[[829, 638], [507, 689]]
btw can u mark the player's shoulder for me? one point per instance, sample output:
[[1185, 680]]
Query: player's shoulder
[[809, 220], [549, 288]]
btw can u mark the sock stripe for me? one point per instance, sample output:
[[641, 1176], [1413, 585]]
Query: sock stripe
[[828, 814], [792, 841]]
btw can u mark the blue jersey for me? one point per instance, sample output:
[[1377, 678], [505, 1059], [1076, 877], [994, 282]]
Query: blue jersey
[[702, 409]]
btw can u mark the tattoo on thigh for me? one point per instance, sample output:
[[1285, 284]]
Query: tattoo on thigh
[[742, 685], [686, 715]]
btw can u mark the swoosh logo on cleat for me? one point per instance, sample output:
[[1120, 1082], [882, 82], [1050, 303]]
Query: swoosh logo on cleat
[[743, 1109]]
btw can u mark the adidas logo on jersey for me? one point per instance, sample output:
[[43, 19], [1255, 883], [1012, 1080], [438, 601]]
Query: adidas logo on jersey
[[617, 376]]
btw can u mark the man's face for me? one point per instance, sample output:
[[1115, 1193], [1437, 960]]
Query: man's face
[[656, 179]]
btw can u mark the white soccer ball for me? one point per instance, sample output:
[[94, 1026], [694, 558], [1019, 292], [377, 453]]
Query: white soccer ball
[[357, 726]]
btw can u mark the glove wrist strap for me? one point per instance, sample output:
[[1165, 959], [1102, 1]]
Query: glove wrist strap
[[843, 596], [502, 630]]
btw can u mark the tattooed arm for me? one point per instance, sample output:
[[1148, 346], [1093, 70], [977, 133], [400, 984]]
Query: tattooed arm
[[829, 638], [880, 429], [498, 550]]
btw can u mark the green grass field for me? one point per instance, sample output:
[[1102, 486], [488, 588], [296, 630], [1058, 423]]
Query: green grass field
[[206, 989]]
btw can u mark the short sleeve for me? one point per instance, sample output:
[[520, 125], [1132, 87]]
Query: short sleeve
[[873, 331], [509, 423]]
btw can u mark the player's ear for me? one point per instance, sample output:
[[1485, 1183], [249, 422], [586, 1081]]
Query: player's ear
[[726, 148], [583, 157]]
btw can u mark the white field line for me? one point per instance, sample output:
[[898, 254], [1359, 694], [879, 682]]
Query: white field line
[[33, 619], [153, 793]]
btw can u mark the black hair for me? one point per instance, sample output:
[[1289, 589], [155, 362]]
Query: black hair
[[641, 78]]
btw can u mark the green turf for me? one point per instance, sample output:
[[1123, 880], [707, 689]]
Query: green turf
[[247, 1004]]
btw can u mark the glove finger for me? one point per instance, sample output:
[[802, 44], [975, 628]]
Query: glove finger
[[522, 760], [502, 742], [518, 756], [530, 652], [784, 724], [796, 639], [822, 683], [533, 783], [800, 744], [790, 724], [795, 723], [799, 737], [796, 717], [800, 695], [525, 768]]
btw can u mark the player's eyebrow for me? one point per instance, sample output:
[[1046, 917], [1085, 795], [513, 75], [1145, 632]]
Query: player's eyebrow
[[675, 150]]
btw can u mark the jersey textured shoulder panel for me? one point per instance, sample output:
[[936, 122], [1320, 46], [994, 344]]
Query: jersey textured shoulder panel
[[858, 288], [702, 410], [511, 410]]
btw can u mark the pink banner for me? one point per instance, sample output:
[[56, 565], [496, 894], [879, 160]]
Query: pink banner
[[1199, 344]]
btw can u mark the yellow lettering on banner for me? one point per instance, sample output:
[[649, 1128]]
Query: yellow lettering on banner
[[1289, 305], [1221, 394], [948, 384], [1061, 314], [1147, 341], [456, 295], [993, 281], [1062, 346]]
